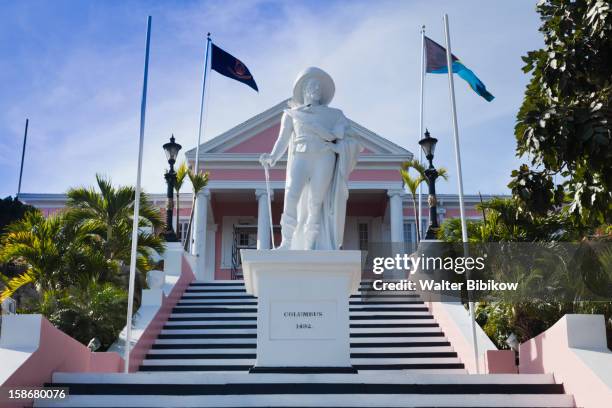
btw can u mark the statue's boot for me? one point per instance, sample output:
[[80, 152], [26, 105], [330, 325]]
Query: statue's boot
[[288, 225], [311, 232]]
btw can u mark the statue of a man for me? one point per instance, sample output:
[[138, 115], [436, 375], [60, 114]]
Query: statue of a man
[[321, 156]]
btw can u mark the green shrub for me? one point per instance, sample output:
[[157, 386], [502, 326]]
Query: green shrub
[[97, 310]]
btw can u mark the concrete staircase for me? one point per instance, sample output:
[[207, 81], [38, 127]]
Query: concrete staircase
[[207, 346]]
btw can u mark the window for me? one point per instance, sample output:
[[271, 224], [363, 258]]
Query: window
[[408, 227], [182, 228], [247, 239], [424, 226], [363, 236]]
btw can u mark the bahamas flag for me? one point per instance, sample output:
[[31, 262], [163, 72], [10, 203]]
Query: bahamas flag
[[435, 56]]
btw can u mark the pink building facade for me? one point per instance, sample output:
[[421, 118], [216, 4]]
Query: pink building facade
[[236, 216]]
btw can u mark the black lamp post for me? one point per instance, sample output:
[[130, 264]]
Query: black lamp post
[[171, 150], [428, 144]]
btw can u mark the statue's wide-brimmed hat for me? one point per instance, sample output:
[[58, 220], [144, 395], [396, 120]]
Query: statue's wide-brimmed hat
[[325, 80]]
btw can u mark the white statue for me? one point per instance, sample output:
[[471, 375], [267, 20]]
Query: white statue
[[321, 156]]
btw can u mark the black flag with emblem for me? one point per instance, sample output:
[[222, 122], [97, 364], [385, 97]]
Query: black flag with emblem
[[228, 65]]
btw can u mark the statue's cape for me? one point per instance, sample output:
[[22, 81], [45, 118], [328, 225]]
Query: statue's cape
[[333, 214]]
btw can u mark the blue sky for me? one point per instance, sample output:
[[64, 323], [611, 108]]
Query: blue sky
[[75, 69]]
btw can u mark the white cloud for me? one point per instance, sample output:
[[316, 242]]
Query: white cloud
[[85, 105]]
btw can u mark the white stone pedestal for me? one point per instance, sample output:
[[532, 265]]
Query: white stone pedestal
[[303, 308]]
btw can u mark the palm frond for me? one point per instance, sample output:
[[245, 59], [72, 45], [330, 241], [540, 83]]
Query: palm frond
[[181, 173], [198, 181], [15, 283], [443, 173]]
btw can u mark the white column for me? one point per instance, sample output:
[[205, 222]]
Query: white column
[[200, 222], [263, 220], [396, 215]]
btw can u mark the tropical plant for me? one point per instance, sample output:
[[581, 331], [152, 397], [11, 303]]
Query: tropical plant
[[181, 174], [562, 277], [54, 253], [92, 310], [108, 213], [413, 183], [503, 220], [565, 122], [198, 181]]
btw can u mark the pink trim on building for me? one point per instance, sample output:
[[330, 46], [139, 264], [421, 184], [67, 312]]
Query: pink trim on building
[[375, 175], [409, 211], [469, 212], [279, 175]]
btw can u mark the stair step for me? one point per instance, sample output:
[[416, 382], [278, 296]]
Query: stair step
[[187, 349], [224, 318], [226, 313], [238, 309], [245, 365], [216, 284], [207, 345], [216, 290], [217, 296], [234, 356], [379, 316], [233, 378], [201, 325], [225, 302], [310, 388], [243, 329], [314, 400]]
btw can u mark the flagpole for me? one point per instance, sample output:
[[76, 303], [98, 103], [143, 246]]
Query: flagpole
[[197, 160], [136, 218], [196, 166], [25, 138], [464, 235], [420, 212]]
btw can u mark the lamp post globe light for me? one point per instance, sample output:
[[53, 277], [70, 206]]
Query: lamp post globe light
[[171, 148], [428, 144]]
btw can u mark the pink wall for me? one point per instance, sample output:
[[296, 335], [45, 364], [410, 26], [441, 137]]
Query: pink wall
[[279, 175], [470, 211], [260, 143], [490, 361], [263, 142], [50, 211], [59, 352], [375, 175], [409, 210], [142, 347], [551, 352], [500, 362]]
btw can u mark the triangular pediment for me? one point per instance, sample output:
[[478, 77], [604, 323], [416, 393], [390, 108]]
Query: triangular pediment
[[258, 134]]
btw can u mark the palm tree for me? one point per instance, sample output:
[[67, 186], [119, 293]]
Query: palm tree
[[198, 181], [413, 183], [55, 254], [181, 173], [109, 213]]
